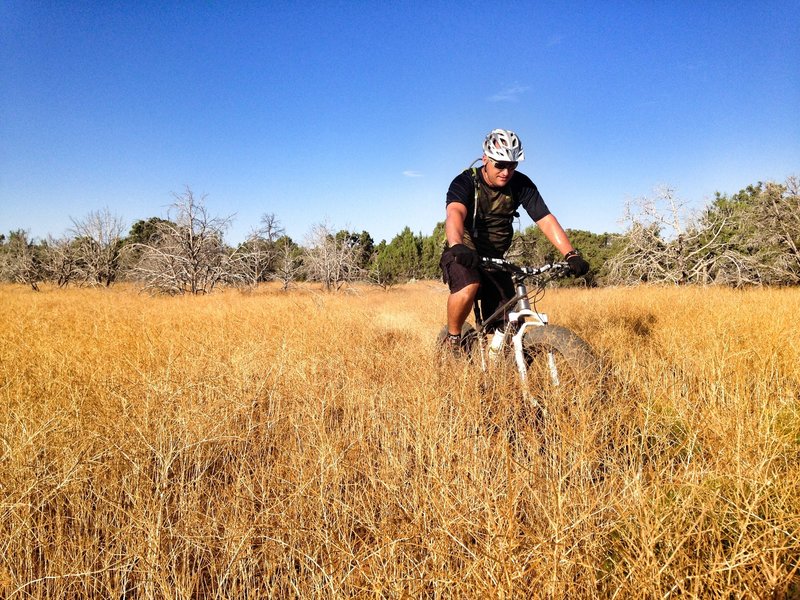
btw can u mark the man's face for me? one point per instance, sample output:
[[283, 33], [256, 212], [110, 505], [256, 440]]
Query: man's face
[[498, 174]]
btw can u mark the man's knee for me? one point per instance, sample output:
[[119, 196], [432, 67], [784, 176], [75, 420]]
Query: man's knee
[[467, 293], [457, 276]]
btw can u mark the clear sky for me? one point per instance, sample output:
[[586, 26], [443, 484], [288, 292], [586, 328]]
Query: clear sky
[[359, 114]]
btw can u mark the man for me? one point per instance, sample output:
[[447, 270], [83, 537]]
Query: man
[[481, 206]]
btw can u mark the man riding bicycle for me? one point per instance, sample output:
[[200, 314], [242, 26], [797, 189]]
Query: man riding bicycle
[[481, 206]]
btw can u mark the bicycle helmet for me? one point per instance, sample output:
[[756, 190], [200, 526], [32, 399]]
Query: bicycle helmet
[[503, 145]]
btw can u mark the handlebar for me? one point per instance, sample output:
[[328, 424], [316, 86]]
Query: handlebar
[[557, 269]]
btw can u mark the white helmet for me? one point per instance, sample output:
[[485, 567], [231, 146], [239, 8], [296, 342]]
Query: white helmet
[[503, 145]]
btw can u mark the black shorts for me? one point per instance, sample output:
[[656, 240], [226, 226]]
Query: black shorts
[[496, 287]]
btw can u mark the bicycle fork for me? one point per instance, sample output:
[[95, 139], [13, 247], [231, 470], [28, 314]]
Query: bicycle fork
[[529, 318], [536, 320]]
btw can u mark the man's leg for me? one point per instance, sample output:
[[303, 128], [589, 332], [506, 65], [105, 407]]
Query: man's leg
[[459, 304], [463, 283]]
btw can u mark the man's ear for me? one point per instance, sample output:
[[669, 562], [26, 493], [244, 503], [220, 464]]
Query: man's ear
[[485, 159]]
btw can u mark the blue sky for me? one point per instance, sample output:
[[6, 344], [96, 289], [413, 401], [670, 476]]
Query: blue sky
[[359, 114]]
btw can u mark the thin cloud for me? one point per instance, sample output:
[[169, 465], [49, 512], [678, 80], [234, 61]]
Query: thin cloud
[[509, 94], [412, 174]]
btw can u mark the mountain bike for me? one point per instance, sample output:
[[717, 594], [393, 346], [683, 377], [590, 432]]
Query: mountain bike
[[545, 355]]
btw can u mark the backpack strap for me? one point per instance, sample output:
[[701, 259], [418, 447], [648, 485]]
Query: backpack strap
[[476, 182]]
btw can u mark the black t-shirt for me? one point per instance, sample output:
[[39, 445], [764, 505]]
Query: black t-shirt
[[496, 208]]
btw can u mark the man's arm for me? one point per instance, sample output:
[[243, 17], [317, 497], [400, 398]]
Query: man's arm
[[454, 223], [454, 230], [553, 231]]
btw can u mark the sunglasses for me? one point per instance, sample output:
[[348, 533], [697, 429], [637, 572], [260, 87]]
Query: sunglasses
[[505, 165]]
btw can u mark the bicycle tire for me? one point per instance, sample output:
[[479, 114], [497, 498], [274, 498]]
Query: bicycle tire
[[575, 363]]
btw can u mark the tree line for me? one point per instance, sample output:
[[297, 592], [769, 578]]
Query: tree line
[[749, 238]]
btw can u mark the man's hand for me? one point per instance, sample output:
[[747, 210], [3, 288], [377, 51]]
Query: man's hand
[[465, 256], [576, 263]]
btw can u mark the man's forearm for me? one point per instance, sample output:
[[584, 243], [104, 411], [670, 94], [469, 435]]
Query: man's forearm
[[553, 231], [454, 232], [454, 224]]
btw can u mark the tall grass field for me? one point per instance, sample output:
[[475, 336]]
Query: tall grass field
[[308, 445]]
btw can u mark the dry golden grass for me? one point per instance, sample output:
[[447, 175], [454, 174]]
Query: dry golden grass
[[309, 445]]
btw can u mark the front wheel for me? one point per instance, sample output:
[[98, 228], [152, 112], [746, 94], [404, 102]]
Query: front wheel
[[554, 356]]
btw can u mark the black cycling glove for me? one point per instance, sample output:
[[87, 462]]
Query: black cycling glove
[[576, 263], [465, 256]]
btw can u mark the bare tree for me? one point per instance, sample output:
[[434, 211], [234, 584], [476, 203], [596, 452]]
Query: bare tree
[[288, 262], [98, 246], [772, 231], [760, 236], [330, 259], [188, 254], [665, 243], [60, 259], [254, 260], [20, 261]]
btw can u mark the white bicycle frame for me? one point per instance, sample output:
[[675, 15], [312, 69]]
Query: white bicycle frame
[[524, 318], [531, 319]]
